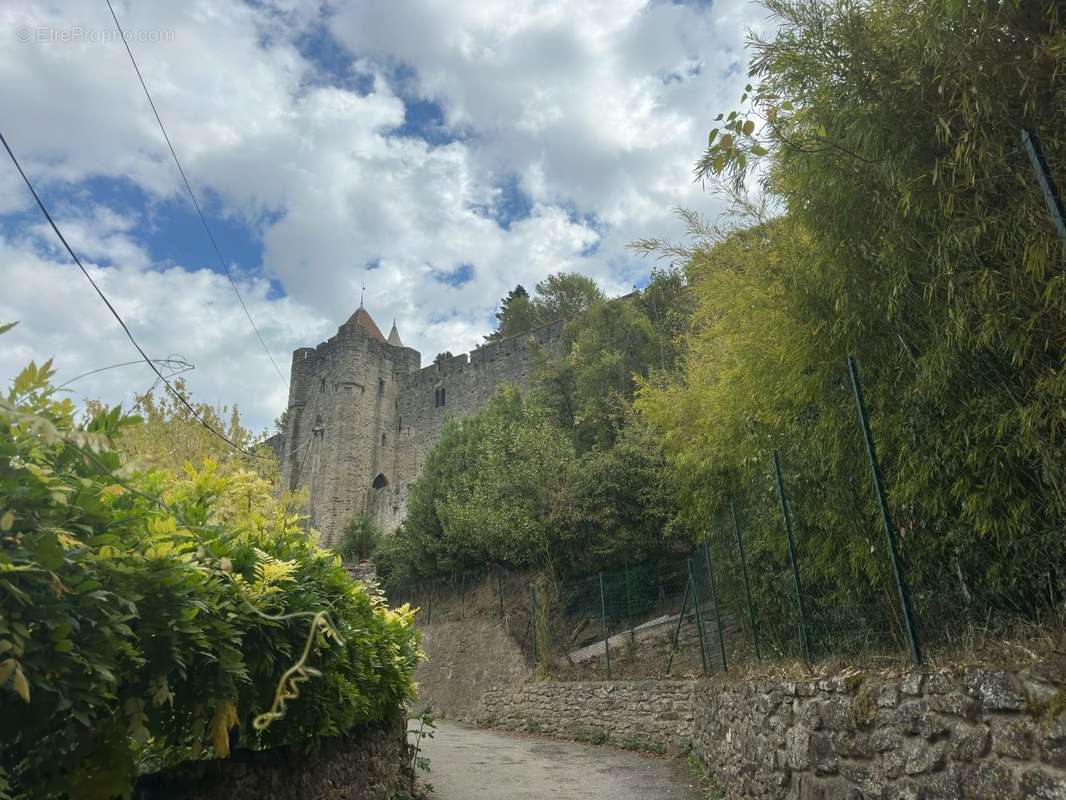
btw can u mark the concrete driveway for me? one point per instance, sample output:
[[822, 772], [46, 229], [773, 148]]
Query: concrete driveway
[[472, 764]]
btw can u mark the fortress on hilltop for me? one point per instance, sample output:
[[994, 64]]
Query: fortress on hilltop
[[364, 413]]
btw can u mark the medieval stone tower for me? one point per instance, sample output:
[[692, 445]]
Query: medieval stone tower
[[363, 414]]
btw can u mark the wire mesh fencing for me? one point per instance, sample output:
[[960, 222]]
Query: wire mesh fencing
[[805, 562]]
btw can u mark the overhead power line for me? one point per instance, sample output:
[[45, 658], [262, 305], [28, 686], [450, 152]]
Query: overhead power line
[[192, 196], [144, 356], [175, 363]]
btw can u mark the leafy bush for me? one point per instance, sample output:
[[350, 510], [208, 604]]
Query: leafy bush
[[913, 234], [359, 539], [151, 616], [566, 478]]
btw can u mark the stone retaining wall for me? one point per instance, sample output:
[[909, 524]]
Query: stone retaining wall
[[967, 733], [467, 658], [641, 715], [369, 764]]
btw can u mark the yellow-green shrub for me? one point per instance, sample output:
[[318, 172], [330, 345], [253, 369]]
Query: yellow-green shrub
[[149, 617]]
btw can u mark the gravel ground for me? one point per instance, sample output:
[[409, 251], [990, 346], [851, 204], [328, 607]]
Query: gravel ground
[[473, 764]]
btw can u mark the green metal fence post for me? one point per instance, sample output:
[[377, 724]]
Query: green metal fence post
[[699, 617], [499, 591], [629, 608], [747, 584], [886, 516], [1031, 142], [677, 630], [603, 617], [792, 558], [533, 619], [714, 599]]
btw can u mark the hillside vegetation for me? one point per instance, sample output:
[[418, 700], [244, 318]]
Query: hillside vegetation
[[882, 205], [150, 615]]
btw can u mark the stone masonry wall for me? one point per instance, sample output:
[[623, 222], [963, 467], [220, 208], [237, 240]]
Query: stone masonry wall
[[966, 733], [363, 415], [468, 657], [368, 764], [468, 382], [641, 715]]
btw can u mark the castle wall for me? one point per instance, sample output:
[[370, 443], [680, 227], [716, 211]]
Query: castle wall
[[468, 381], [363, 417]]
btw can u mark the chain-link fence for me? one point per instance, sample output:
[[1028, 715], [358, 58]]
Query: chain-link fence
[[768, 582]]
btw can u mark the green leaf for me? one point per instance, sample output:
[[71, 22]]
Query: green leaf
[[21, 685], [49, 551], [749, 128], [711, 136], [758, 150], [7, 326]]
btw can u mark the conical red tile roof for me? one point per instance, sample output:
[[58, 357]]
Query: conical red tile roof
[[363, 319]]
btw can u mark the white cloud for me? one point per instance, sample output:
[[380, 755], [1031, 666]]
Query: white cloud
[[597, 110], [170, 312]]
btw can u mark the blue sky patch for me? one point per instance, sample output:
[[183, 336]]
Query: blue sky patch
[[332, 62], [169, 230], [423, 117], [462, 274], [176, 235], [512, 203]]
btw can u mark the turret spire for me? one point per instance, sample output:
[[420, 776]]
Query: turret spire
[[394, 335]]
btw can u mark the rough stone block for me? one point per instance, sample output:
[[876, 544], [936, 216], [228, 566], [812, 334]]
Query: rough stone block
[[1013, 739], [922, 756], [988, 779], [956, 704], [939, 683], [1042, 785], [798, 748], [888, 696], [970, 742], [997, 690], [912, 683]]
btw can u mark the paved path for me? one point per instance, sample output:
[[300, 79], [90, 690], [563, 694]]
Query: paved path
[[472, 764]]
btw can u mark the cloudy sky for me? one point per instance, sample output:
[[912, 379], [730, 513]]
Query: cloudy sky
[[441, 151]]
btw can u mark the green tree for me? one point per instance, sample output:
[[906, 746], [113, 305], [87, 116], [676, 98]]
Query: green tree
[[171, 437], [517, 314], [567, 478], [564, 295], [911, 233], [494, 489], [589, 382], [359, 539]]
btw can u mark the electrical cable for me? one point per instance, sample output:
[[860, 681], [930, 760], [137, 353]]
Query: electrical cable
[[192, 196], [114, 313]]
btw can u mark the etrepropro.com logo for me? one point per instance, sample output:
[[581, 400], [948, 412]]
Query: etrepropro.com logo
[[76, 34]]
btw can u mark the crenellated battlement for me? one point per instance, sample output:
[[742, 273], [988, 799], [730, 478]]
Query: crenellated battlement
[[519, 345], [363, 414]]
